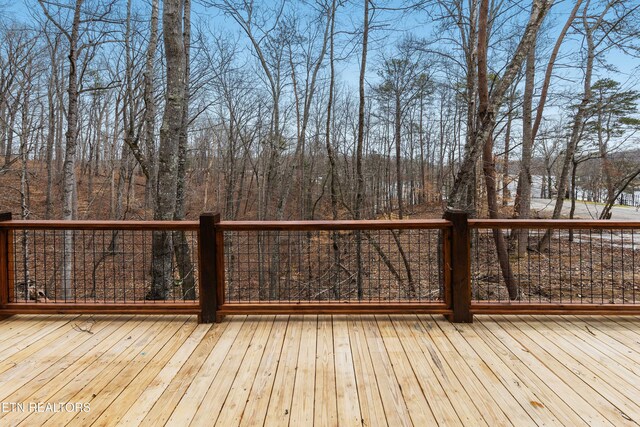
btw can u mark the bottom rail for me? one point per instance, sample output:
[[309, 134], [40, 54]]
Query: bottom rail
[[101, 308], [582, 309], [333, 308], [316, 308]]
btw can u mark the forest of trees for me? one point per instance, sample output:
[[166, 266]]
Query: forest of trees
[[115, 109]]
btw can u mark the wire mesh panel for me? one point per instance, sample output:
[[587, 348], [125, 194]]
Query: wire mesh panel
[[568, 266], [333, 266], [103, 266]]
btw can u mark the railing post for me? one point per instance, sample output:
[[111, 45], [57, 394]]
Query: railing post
[[208, 268], [219, 254], [5, 263], [460, 267]]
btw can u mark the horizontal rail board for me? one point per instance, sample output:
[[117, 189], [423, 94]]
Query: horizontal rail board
[[333, 225], [550, 308], [102, 308], [316, 225], [333, 308], [558, 224], [99, 225]]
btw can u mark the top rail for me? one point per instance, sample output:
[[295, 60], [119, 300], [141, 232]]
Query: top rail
[[316, 225], [553, 224], [333, 225], [98, 225]]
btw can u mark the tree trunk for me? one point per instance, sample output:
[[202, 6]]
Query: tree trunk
[[486, 120], [68, 167], [488, 167], [464, 183], [180, 244], [359, 146], [24, 183], [572, 211], [335, 236], [523, 207], [550, 66], [423, 173], [49, 147], [611, 199], [150, 105], [162, 274], [506, 194], [397, 137], [576, 128], [8, 152]]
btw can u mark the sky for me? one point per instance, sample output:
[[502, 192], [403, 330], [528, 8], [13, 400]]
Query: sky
[[392, 26]]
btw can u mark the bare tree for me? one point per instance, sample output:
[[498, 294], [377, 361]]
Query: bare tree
[[405, 77], [481, 140], [180, 243], [360, 143], [591, 26], [170, 131], [76, 31], [530, 130], [149, 117]]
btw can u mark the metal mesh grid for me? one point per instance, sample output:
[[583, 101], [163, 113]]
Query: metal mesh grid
[[101, 266], [591, 266], [321, 266]]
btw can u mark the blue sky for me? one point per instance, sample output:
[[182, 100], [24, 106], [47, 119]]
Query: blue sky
[[398, 24]]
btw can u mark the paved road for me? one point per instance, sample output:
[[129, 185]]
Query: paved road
[[587, 210]]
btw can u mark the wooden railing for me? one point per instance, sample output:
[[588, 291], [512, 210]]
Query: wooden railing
[[106, 263], [446, 266], [567, 267], [285, 267]]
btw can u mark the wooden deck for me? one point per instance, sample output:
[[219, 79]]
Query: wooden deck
[[319, 370]]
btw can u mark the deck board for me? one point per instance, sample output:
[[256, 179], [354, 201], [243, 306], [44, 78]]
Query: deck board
[[398, 372], [69, 363], [304, 387], [607, 399], [430, 368], [14, 331], [116, 374], [258, 399], [235, 401], [325, 406], [347, 399], [485, 372], [322, 370], [554, 399], [600, 364], [235, 335], [561, 393], [153, 380], [157, 405], [372, 404], [279, 408]]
